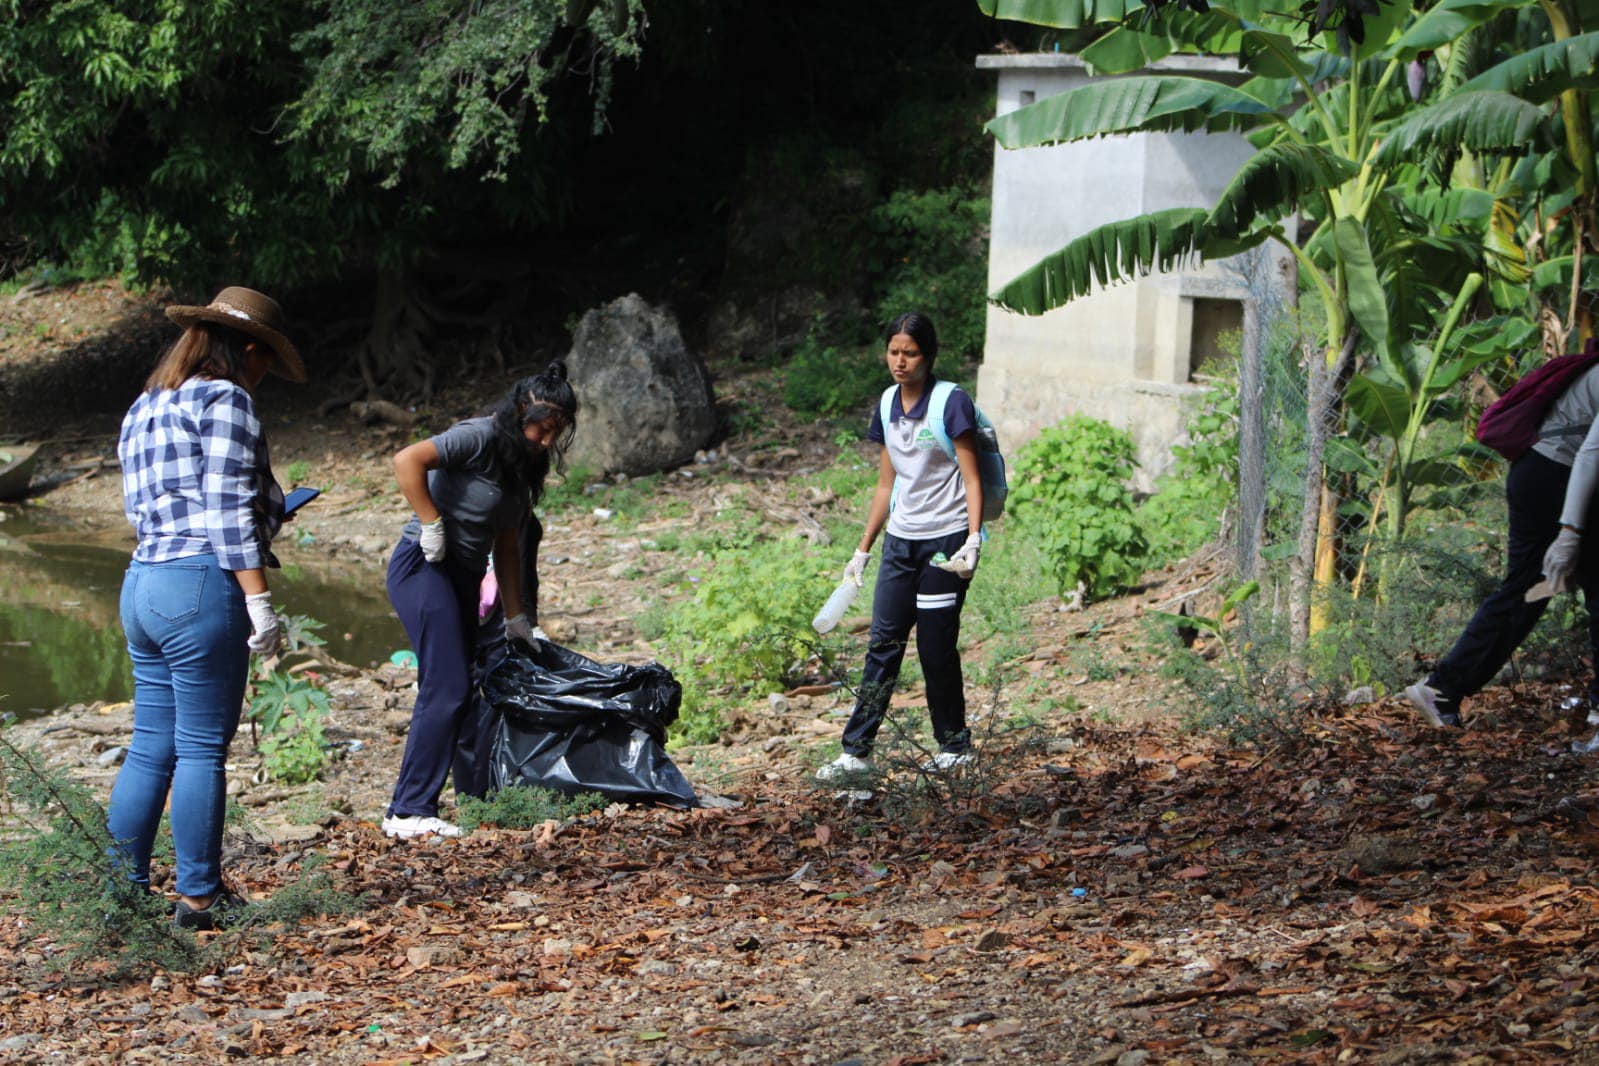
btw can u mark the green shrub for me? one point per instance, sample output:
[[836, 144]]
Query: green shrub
[[827, 380], [525, 808], [1186, 510], [1069, 494], [939, 241], [746, 628], [62, 869], [296, 472]]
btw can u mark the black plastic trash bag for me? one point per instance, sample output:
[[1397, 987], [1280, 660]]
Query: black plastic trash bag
[[557, 720]]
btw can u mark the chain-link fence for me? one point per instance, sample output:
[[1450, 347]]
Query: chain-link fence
[[1372, 520]]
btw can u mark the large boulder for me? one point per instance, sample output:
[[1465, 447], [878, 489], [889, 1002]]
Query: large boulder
[[645, 399]]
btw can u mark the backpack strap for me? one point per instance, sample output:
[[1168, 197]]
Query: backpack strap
[[884, 406], [935, 415]]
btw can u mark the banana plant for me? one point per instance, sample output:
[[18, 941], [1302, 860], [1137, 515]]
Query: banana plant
[[1397, 397], [1328, 113]]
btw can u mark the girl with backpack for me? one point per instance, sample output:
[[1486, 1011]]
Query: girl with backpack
[[471, 489], [931, 505]]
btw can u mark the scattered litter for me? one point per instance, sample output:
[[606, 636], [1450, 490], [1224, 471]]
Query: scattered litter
[[404, 657]]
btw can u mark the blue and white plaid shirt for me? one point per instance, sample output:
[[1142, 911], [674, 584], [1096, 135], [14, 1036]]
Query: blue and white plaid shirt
[[196, 477]]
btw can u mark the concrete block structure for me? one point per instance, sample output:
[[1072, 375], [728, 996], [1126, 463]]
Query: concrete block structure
[[1128, 354]]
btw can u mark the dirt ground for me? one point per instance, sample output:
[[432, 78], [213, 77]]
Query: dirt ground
[[1102, 887]]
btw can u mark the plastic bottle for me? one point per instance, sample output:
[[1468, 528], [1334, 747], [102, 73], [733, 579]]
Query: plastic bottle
[[835, 607]]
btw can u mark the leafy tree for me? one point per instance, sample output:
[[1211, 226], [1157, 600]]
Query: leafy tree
[[1336, 128], [288, 142]]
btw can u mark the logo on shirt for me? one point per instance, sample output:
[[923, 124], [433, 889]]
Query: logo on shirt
[[925, 439]]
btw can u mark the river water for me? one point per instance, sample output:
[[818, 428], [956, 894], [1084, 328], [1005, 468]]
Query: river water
[[60, 638]]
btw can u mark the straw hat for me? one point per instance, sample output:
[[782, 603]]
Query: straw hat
[[249, 312]]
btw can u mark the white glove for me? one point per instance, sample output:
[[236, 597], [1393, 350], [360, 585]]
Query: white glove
[[964, 562], [521, 630], [265, 635], [432, 540], [539, 634], [1559, 563], [856, 570]]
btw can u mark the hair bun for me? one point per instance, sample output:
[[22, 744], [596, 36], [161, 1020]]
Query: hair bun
[[557, 369]]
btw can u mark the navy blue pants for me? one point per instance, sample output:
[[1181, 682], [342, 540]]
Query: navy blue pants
[[437, 605], [1535, 489], [913, 592]]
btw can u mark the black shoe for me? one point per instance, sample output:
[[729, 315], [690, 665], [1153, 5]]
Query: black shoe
[[227, 909]]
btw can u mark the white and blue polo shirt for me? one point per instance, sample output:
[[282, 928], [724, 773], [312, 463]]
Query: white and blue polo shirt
[[932, 493]]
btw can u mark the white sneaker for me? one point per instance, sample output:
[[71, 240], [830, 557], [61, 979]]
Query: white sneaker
[[948, 760], [846, 765], [404, 828]]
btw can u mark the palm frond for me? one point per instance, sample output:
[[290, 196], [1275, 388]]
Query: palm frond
[[1544, 72], [1273, 182], [1117, 251], [1129, 105], [1483, 121]]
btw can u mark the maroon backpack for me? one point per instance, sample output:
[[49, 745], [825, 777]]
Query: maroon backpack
[[1510, 424]]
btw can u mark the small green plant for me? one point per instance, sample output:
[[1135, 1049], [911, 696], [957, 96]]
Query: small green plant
[[525, 808], [1069, 494], [63, 870], [296, 472], [1186, 510], [746, 626], [289, 711]]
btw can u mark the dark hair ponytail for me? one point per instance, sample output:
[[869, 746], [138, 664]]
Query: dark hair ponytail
[[921, 330], [531, 400]]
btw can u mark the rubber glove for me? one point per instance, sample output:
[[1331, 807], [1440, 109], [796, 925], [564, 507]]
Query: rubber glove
[[1559, 564], [265, 634], [856, 570], [539, 634], [964, 562], [521, 630], [432, 540]]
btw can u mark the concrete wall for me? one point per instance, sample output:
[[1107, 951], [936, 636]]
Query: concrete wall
[[1123, 353]]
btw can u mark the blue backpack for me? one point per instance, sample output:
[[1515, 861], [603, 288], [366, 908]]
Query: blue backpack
[[990, 462]]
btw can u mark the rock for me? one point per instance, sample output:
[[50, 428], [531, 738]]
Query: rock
[[645, 400], [1358, 696], [432, 955], [655, 968], [110, 757], [300, 999]]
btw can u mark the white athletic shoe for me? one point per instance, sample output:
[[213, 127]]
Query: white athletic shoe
[[846, 765], [404, 828]]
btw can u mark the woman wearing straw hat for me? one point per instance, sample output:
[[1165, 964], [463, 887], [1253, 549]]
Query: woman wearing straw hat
[[199, 491]]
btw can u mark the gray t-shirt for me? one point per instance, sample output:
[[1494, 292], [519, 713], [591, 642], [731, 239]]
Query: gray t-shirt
[[932, 494], [469, 491]]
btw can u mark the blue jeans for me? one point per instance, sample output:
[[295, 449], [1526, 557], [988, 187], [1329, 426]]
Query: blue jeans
[[186, 627]]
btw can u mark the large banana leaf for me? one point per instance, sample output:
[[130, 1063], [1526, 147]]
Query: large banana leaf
[[1444, 23], [1368, 303], [1113, 252], [1546, 71], [1273, 182], [1062, 14], [1129, 105], [1384, 406], [1447, 207], [1482, 121]]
